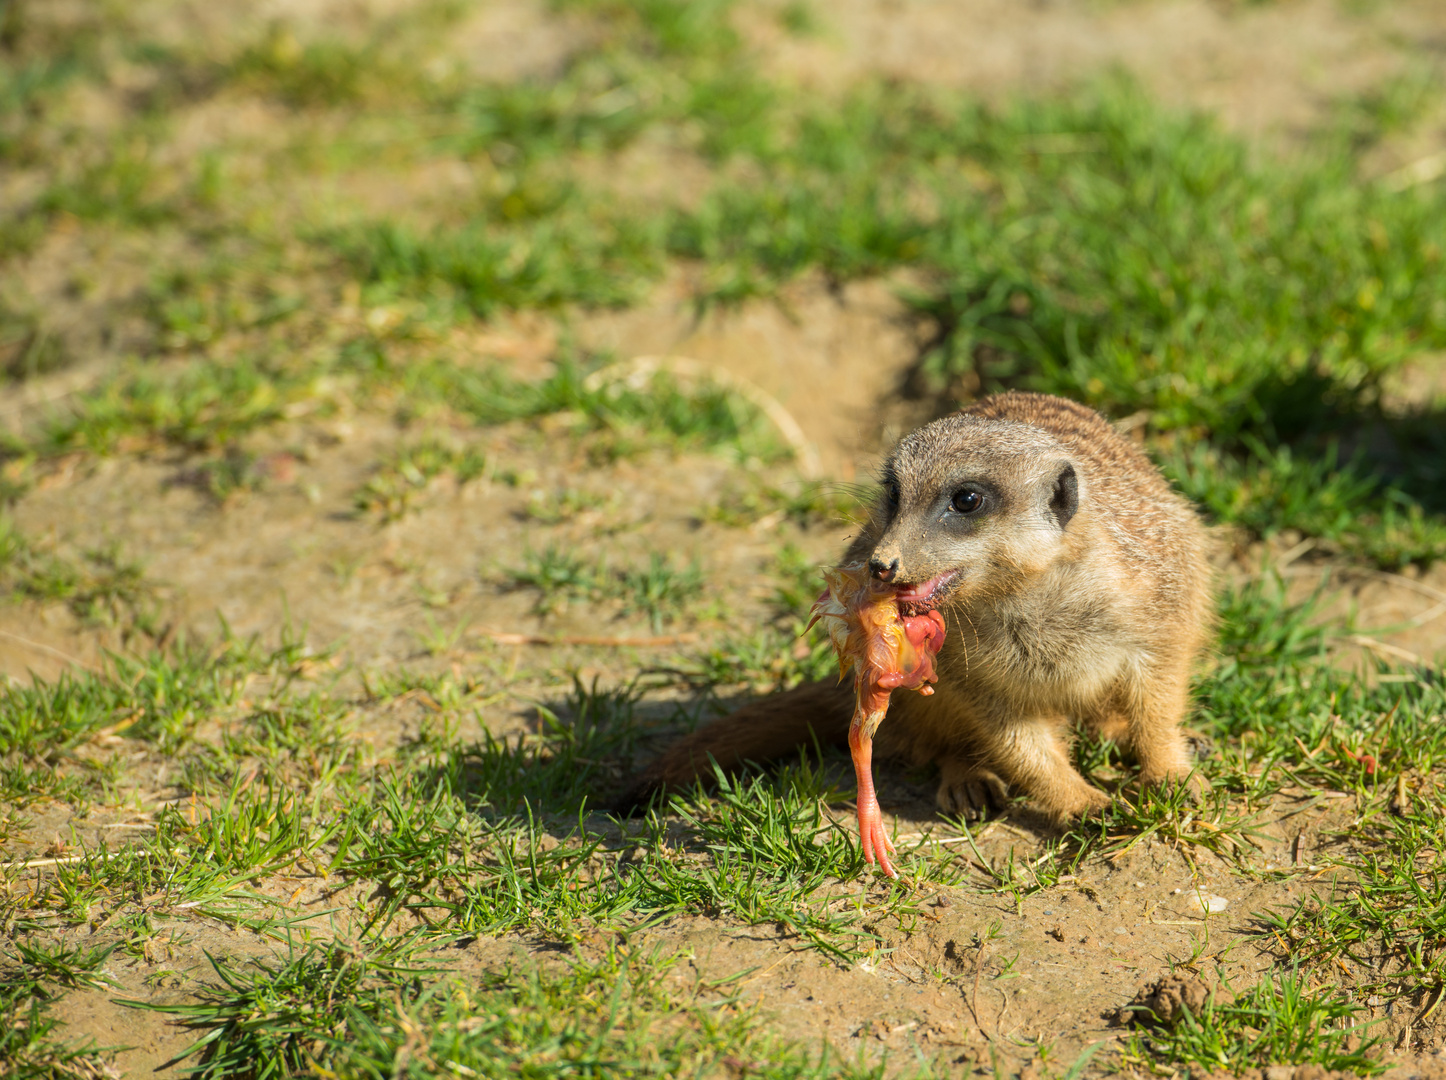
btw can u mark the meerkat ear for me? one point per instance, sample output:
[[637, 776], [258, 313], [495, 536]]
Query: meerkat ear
[[1065, 500]]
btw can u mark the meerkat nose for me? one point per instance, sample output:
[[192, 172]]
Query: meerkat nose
[[882, 572]]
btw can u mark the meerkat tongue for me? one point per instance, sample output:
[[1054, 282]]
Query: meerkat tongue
[[887, 651]]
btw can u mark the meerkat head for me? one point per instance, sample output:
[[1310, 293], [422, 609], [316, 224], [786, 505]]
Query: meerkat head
[[970, 504]]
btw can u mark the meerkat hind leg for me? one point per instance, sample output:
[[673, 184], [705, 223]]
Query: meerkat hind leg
[[967, 791]]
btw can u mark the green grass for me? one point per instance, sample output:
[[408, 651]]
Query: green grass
[[392, 491], [1156, 270], [495, 837], [766, 854], [198, 407], [588, 260], [211, 407], [555, 769], [159, 698], [101, 586], [471, 838], [559, 576], [196, 307], [273, 1021], [44, 60], [1341, 504], [32, 975], [378, 1010], [1282, 1020], [611, 417], [773, 657], [206, 859], [798, 583], [657, 589], [27, 347], [1385, 911], [314, 73], [230, 475], [1331, 720], [806, 505], [42, 963], [565, 504], [774, 851], [123, 186]]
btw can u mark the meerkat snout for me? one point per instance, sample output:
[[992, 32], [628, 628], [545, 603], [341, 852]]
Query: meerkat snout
[[883, 571]]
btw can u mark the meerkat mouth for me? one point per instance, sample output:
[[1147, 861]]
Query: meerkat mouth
[[917, 599]]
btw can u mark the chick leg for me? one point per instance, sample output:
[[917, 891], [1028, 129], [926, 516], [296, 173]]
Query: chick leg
[[873, 838]]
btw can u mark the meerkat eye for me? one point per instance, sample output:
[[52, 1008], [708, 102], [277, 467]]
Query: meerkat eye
[[967, 501], [891, 493]]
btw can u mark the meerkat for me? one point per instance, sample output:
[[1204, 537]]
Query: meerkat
[[1074, 586]]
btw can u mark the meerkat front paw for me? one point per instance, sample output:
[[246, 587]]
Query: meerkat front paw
[[970, 793], [1082, 801]]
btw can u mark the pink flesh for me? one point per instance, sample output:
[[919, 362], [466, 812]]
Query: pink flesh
[[872, 688]]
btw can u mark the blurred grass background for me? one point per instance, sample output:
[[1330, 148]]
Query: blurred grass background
[[1248, 307]]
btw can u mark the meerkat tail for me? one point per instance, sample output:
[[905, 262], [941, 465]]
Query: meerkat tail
[[760, 732]]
